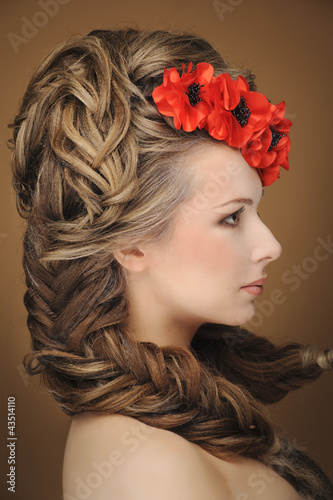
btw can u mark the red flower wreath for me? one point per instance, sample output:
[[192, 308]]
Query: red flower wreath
[[229, 111]]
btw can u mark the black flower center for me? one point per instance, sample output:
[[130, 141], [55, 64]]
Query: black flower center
[[193, 93], [241, 112], [276, 136]]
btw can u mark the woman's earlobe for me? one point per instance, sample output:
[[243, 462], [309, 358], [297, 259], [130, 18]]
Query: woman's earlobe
[[132, 259]]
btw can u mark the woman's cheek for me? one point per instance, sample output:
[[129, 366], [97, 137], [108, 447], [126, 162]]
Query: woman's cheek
[[215, 255]]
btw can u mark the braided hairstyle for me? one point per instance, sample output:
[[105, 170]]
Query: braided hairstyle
[[95, 165]]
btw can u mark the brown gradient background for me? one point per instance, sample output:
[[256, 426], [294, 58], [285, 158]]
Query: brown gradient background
[[288, 45]]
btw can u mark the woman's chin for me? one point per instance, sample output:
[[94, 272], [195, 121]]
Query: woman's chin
[[234, 320], [245, 316]]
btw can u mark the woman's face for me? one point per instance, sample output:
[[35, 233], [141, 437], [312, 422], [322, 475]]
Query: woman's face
[[218, 245]]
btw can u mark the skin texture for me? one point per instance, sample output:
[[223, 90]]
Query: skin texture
[[129, 460], [118, 458], [195, 274]]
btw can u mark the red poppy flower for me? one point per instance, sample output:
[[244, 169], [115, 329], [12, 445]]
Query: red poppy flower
[[186, 98], [237, 113], [268, 148]]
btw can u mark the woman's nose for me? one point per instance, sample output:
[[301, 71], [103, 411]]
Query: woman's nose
[[266, 246]]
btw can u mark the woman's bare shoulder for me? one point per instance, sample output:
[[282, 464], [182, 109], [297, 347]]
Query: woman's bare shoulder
[[118, 457]]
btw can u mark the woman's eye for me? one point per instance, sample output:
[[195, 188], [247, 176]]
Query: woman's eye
[[232, 219]]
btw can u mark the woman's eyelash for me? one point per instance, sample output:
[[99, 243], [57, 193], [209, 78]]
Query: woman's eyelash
[[235, 214]]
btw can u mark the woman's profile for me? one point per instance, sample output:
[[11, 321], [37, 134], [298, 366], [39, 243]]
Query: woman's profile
[[139, 162]]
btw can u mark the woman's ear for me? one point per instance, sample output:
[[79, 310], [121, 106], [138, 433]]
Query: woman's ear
[[132, 259]]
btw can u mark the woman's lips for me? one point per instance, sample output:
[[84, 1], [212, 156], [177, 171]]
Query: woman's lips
[[254, 289]]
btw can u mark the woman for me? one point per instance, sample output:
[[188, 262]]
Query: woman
[[139, 161]]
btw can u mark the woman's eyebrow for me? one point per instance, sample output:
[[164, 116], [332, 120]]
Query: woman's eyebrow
[[247, 201]]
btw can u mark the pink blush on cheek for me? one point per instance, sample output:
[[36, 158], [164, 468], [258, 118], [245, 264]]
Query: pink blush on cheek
[[210, 253]]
